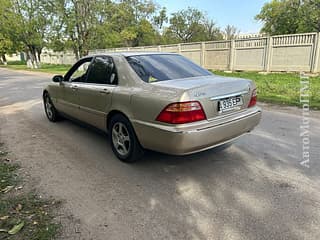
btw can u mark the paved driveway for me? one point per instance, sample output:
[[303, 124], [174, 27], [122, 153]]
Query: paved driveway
[[256, 189]]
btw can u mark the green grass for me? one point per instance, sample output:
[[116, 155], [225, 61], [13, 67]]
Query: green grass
[[280, 88], [48, 68], [17, 63], [23, 207]]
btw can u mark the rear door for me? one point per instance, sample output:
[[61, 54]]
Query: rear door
[[95, 95]]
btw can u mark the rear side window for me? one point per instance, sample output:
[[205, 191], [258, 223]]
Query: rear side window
[[102, 71], [162, 67]]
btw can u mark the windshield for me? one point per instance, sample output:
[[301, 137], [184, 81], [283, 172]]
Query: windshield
[[162, 67]]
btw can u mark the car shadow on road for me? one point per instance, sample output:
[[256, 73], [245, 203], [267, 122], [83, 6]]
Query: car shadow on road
[[220, 195]]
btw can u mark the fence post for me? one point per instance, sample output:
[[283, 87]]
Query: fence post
[[179, 48], [268, 54], [232, 52], [203, 54], [159, 48], [316, 55]]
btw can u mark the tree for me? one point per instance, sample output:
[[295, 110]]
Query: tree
[[212, 32], [81, 25], [8, 39], [230, 32], [135, 22], [73, 24], [290, 16], [191, 25], [29, 26], [5, 46], [160, 19], [85, 24], [310, 16], [185, 25]]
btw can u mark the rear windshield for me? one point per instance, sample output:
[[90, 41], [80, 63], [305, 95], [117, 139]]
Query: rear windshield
[[162, 67]]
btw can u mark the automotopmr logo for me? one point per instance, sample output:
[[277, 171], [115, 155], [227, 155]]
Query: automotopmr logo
[[305, 122]]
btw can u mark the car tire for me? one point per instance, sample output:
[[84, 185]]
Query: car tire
[[51, 112], [124, 142]]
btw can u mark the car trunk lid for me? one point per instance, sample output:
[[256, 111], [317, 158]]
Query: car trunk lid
[[214, 91]]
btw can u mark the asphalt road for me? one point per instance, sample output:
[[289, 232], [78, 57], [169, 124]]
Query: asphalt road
[[256, 189]]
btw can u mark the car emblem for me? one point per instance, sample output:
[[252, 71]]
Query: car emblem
[[199, 94]]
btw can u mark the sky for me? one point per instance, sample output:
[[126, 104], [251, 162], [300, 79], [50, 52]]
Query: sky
[[239, 13]]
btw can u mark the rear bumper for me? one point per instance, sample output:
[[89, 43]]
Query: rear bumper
[[196, 137]]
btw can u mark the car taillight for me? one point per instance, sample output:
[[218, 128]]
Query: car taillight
[[182, 112], [253, 99]]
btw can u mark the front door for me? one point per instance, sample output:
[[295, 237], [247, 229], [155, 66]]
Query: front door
[[69, 102]]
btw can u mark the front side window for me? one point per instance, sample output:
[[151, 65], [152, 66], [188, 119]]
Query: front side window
[[102, 71], [80, 73], [162, 67]]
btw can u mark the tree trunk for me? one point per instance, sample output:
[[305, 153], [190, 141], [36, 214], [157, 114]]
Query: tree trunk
[[76, 53], [38, 57], [4, 59], [34, 57], [29, 59], [39, 51], [80, 51]]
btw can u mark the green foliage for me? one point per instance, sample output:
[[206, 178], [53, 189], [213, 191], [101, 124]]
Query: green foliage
[[230, 32], [23, 23], [81, 25], [8, 43], [310, 16], [17, 63], [187, 24], [160, 19], [191, 25], [290, 16]]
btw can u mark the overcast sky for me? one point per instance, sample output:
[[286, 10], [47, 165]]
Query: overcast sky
[[239, 13]]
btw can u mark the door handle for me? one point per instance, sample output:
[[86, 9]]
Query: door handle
[[105, 91]]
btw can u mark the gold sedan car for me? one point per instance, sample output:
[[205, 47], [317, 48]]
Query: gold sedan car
[[158, 101]]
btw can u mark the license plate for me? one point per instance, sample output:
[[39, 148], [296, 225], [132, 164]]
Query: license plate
[[229, 104]]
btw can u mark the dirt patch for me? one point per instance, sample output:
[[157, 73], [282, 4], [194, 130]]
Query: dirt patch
[[24, 212]]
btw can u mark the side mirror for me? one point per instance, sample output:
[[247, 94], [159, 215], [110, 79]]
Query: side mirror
[[57, 78]]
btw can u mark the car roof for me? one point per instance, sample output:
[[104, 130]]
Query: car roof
[[128, 54]]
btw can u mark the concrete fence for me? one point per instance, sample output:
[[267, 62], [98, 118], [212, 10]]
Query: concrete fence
[[48, 56], [294, 52]]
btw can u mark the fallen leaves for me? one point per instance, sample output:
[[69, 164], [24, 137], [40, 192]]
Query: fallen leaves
[[18, 207], [23, 215], [16, 228], [4, 217], [7, 189], [18, 188]]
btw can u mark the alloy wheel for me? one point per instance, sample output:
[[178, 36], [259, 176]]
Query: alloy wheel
[[121, 138]]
